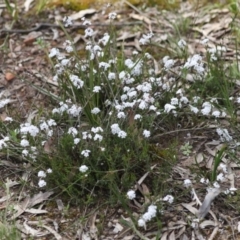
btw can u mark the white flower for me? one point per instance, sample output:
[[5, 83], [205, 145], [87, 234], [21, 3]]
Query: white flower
[[83, 168], [204, 181], [105, 39], [73, 131], [86, 135], [129, 63], [122, 75], [85, 153], [207, 107], [168, 63], [182, 44], [95, 110], [143, 105], [196, 62], [174, 101], [28, 128], [25, 152], [223, 167], [104, 65], [224, 135], [50, 133], [51, 123], [131, 194], [194, 109], [44, 126], [96, 89], [112, 15], [168, 108], [137, 116], [65, 62], [89, 32], [146, 38], [216, 185], [224, 114], [141, 223], [63, 107], [8, 119], [74, 110], [98, 137], [68, 46], [144, 87], [184, 100], [77, 82], [111, 76], [42, 174], [168, 198], [76, 140], [96, 130], [121, 115], [151, 213], [67, 21], [206, 110], [146, 133], [216, 113], [220, 177], [153, 108], [122, 134], [54, 52], [115, 128], [42, 183], [24, 143], [187, 183], [49, 170]]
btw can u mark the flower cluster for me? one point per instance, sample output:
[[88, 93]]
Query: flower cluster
[[42, 174], [148, 216]]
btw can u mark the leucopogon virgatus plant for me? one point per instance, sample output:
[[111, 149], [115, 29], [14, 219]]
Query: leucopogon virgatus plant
[[97, 136]]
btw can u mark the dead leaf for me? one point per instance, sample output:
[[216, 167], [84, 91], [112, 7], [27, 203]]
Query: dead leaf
[[190, 208], [38, 198], [141, 18], [207, 223], [146, 193], [172, 236], [118, 228], [48, 145], [27, 4], [9, 76], [93, 229], [31, 231], [36, 211], [82, 13], [56, 235], [20, 207], [205, 207], [31, 37], [60, 204]]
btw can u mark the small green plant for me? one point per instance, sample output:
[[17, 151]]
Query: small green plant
[[217, 161], [186, 149]]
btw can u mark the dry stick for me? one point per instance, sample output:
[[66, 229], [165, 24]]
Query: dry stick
[[40, 26], [133, 7], [154, 138]]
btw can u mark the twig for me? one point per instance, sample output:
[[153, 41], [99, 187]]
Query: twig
[[156, 137], [41, 26]]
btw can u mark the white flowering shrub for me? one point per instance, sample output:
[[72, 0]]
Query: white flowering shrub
[[99, 136]]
